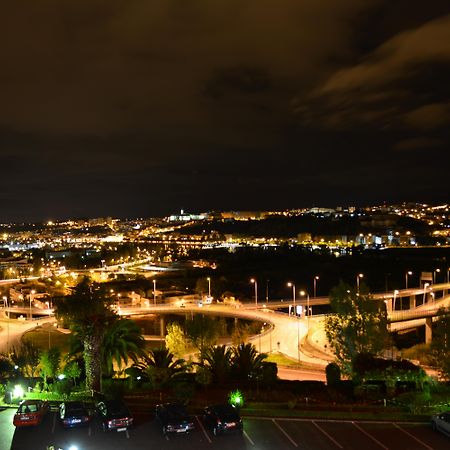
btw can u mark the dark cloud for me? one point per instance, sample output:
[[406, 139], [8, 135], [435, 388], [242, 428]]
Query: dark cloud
[[137, 107], [419, 143]]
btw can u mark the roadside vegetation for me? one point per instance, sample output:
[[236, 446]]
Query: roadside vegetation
[[105, 354]]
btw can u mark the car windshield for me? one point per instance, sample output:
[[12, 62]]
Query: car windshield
[[176, 412], [226, 412], [27, 409], [117, 409], [75, 408]]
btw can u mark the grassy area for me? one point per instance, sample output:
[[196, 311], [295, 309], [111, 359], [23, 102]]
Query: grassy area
[[46, 337], [273, 410], [282, 360]]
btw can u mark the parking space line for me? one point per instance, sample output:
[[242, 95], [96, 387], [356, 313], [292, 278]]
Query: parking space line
[[285, 433], [203, 429], [331, 438], [374, 439], [248, 437], [414, 437], [127, 434]]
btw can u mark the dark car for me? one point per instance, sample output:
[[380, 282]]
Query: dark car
[[174, 418], [441, 422], [74, 414], [222, 419], [30, 412], [114, 415]]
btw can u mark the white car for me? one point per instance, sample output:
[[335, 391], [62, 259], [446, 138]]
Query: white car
[[441, 422]]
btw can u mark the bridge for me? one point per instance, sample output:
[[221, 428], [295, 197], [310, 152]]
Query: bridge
[[289, 333]]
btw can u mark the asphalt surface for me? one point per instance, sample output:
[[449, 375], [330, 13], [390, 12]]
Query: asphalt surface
[[259, 434]]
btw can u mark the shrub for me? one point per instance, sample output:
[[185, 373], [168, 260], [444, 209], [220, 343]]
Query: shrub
[[333, 373], [183, 391]]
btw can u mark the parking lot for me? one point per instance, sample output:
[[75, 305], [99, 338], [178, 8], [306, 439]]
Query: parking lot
[[259, 433]]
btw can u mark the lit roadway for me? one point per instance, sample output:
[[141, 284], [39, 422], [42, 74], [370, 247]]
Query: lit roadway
[[285, 334]]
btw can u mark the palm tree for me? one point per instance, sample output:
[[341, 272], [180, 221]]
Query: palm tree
[[246, 362], [122, 342], [26, 358], [159, 366], [88, 312], [218, 361]]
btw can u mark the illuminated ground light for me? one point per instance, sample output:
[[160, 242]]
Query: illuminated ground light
[[236, 399]]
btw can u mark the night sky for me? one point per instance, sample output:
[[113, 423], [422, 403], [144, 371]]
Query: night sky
[[138, 108]]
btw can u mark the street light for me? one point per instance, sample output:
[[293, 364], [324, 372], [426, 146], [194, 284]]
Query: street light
[[154, 292], [407, 274], [5, 306], [298, 321], [358, 277], [31, 299], [316, 278], [434, 275], [293, 295], [424, 292], [256, 290], [396, 292], [209, 287], [303, 293]]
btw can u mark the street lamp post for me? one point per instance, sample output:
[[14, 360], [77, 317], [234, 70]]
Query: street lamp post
[[154, 292], [396, 292], [292, 285], [358, 277], [435, 272], [267, 290], [5, 306], [308, 312], [424, 292], [297, 318], [209, 287], [256, 290], [406, 278], [31, 300], [316, 278]]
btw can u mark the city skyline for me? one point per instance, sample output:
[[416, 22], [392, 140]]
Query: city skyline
[[140, 109]]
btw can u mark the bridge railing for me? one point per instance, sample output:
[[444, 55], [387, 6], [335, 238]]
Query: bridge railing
[[401, 316]]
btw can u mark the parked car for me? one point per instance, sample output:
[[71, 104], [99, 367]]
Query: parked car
[[73, 414], [174, 418], [114, 415], [222, 419], [53, 405], [441, 422], [30, 412]]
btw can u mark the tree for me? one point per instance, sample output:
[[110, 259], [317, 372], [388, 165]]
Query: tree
[[159, 366], [240, 333], [122, 342], [26, 358], [218, 361], [202, 332], [49, 362], [246, 362], [176, 340], [358, 324], [87, 312], [72, 370], [440, 345], [6, 367]]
